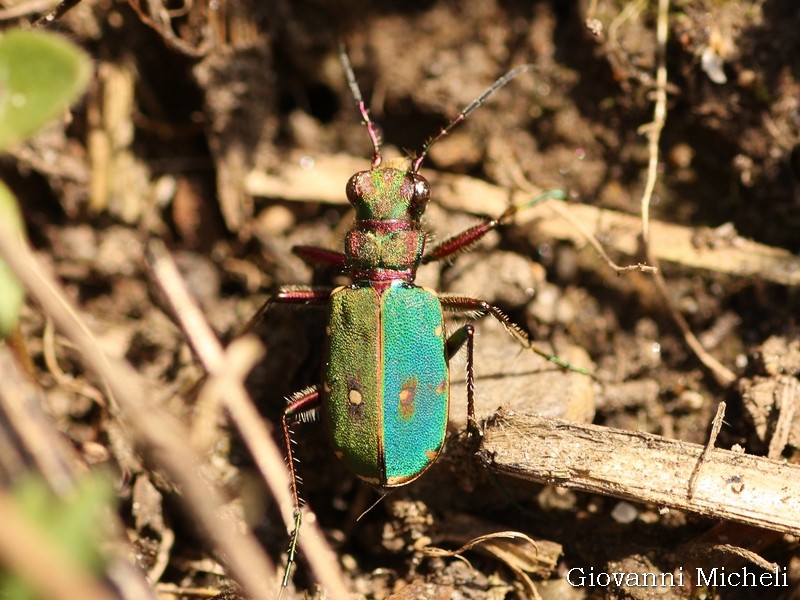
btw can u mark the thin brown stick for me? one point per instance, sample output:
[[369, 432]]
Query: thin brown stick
[[722, 374], [227, 371], [786, 397], [643, 467], [716, 427], [595, 243], [158, 18]]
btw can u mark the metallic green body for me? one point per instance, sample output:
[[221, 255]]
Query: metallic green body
[[386, 383]]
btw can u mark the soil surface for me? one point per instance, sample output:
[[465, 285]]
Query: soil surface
[[199, 112]]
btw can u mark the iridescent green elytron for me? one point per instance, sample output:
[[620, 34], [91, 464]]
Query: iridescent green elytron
[[385, 396]]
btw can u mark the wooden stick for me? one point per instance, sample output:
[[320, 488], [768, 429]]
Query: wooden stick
[[647, 468], [322, 178]]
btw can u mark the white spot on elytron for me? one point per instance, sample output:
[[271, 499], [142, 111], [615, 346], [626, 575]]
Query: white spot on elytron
[[355, 397], [438, 331]]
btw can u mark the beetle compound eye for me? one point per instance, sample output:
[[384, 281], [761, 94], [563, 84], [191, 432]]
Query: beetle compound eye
[[353, 190], [422, 189], [422, 194]]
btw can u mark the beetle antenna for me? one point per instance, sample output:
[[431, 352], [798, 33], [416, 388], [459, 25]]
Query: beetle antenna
[[501, 82], [381, 498], [362, 108]]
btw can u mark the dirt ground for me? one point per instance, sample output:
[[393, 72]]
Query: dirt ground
[[227, 130]]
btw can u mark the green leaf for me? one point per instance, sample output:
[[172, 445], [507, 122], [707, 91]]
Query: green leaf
[[77, 526], [12, 295], [40, 75]]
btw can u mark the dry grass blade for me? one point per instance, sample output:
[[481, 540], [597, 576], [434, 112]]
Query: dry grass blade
[[164, 439], [723, 375], [227, 372], [480, 540], [502, 545]]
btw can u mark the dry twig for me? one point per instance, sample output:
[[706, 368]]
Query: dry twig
[[643, 467], [723, 375], [716, 427]]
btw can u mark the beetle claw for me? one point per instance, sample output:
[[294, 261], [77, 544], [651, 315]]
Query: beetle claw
[[473, 428]]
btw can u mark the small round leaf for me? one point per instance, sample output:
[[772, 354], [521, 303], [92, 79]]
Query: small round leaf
[[40, 75]]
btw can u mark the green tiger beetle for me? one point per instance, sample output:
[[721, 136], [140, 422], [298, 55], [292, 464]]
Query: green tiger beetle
[[385, 390]]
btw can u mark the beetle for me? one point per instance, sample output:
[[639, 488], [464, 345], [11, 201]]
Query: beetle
[[385, 390]]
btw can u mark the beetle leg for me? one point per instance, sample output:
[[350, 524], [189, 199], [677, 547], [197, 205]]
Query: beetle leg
[[303, 296], [321, 256], [477, 308], [466, 334], [299, 404], [463, 241]]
